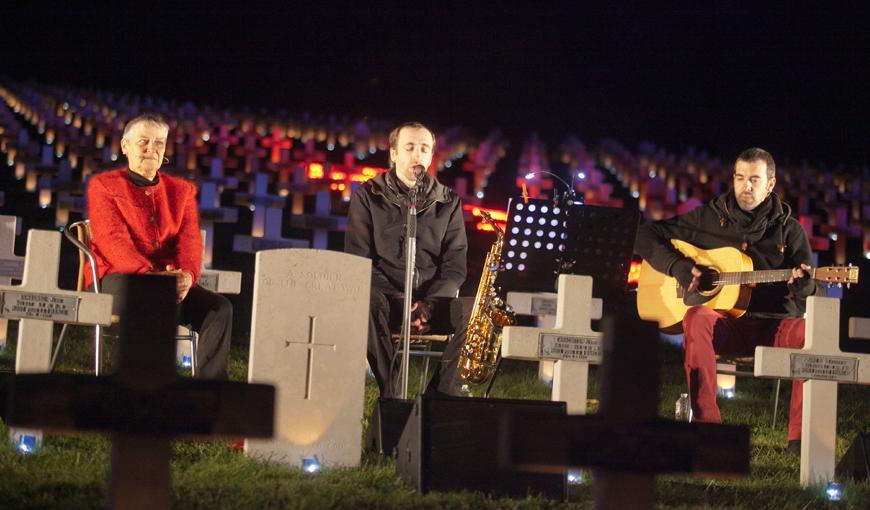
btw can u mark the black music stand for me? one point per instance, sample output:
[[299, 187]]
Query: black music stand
[[544, 238]]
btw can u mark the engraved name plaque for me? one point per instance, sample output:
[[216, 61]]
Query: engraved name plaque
[[30, 305], [11, 268], [569, 347], [831, 368]]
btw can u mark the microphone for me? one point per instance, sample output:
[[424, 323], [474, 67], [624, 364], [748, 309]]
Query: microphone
[[419, 170]]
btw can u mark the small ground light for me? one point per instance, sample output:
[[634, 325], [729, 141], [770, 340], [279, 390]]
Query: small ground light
[[728, 393], [311, 464], [834, 492], [185, 361], [575, 476], [26, 443]]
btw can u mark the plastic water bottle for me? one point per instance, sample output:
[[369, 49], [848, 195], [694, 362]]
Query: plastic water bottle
[[683, 411]]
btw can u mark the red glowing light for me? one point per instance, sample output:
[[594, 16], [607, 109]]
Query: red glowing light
[[335, 175], [634, 272], [497, 215], [315, 171]]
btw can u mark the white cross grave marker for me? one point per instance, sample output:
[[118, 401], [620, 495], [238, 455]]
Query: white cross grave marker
[[38, 303], [321, 222], [308, 338], [543, 306], [572, 343], [271, 239], [211, 212], [11, 265], [823, 365]]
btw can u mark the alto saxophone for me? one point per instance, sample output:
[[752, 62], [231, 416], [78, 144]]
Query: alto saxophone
[[490, 314]]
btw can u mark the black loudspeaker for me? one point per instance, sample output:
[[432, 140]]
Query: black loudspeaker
[[451, 443], [855, 463], [386, 424]]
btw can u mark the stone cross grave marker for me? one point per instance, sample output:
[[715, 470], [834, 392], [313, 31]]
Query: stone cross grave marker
[[211, 212], [11, 265], [308, 338], [144, 404], [271, 239], [543, 305], [823, 366], [321, 222], [259, 201], [39, 303], [571, 343], [626, 441]]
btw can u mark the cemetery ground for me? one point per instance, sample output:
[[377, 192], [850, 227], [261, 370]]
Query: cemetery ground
[[70, 471]]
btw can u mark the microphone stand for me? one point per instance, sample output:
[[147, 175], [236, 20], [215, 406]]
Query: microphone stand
[[410, 261]]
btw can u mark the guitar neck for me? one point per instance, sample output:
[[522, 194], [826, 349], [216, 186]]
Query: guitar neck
[[753, 277]]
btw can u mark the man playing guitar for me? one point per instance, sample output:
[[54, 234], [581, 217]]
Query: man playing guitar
[[752, 219]]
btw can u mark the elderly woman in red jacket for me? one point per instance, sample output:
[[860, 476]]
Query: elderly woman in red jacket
[[146, 222]]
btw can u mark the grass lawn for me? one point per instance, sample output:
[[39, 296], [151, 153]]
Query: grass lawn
[[71, 471]]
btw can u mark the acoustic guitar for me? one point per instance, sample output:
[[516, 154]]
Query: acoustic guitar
[[726, 285]]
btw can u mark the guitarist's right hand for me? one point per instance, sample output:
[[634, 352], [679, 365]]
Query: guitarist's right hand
[[696, 278], [687, 273]]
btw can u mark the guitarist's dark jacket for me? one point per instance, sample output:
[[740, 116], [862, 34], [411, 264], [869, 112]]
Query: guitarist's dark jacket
[[768, 235]]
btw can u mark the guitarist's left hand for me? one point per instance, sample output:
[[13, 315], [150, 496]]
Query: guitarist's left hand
[[800, 284]]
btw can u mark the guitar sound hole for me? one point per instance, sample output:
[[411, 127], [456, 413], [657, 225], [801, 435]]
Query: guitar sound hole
[[708, 280]]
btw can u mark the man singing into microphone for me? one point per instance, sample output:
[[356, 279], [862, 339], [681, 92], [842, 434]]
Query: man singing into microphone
[[376, 229]]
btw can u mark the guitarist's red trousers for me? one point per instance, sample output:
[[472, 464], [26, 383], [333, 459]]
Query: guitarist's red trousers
[[709, 332]]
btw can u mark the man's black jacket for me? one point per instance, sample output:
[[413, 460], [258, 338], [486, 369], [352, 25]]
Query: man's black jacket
[[376, 229], [768, 235]]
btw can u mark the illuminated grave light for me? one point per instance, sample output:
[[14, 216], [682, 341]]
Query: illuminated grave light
[[311, 465], [186, 362], [726, 383], [479, 194], [834, 492], [575, 476], [27, 444]]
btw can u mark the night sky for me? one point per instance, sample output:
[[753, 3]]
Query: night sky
[[711, 76]]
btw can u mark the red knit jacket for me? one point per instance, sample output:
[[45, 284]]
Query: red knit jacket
[[141, 229]]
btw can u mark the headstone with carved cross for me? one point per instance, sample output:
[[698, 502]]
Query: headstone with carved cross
[[144, 404], [627, 442], [11, 265], [823, 366], [308, 338], [571, 343]]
